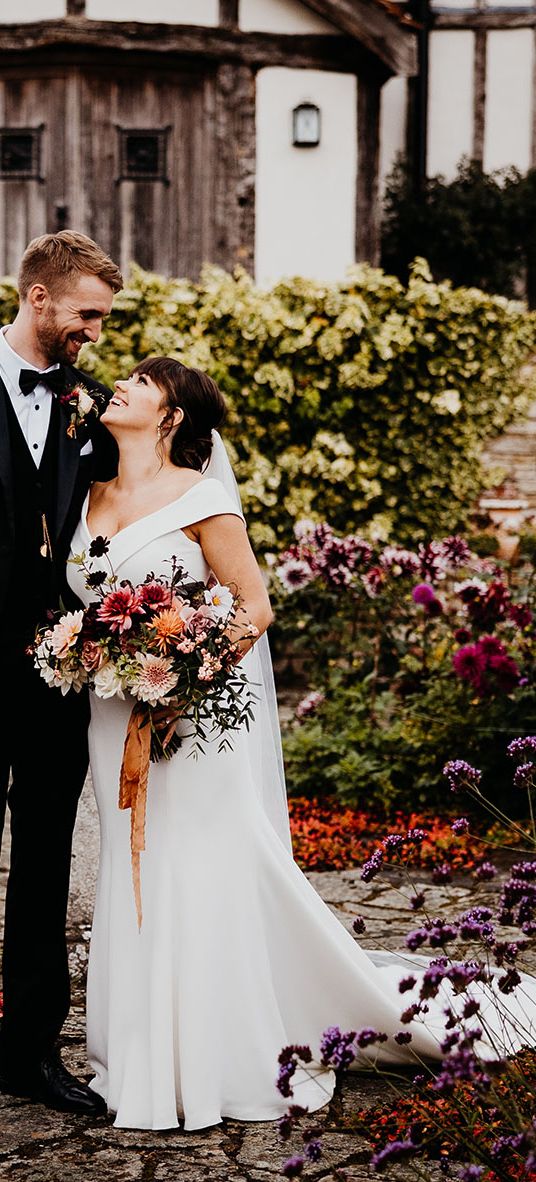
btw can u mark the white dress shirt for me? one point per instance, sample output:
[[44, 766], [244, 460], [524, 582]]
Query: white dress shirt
[[32, 410]]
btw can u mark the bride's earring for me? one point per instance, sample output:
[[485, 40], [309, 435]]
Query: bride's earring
[[159, 429]]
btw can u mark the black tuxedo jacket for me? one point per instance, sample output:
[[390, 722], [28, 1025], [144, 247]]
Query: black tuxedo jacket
[[75, 474]]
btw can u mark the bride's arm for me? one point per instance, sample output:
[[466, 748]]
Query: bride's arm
[[225, 545]]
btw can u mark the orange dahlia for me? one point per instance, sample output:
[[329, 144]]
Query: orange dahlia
[[167, 627]]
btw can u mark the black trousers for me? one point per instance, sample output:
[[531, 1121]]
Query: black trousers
[[43, 743]]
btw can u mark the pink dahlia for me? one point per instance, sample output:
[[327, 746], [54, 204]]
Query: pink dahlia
[[118, 608], [469, 663], [154, 594]]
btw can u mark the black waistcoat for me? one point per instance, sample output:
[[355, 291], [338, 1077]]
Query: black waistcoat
[[33, 584]]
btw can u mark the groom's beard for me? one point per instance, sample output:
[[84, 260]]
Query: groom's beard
[[63, 348]]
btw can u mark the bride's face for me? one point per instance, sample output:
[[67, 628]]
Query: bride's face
[[137, 404]]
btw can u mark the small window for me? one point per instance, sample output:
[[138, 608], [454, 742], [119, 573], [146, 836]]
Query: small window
[[20, 153], [143, 154]]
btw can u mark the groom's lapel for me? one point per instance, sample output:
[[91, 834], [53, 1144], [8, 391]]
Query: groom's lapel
[[68, 463], [6, 473]]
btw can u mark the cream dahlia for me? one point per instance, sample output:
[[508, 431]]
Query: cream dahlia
[[153, 679]]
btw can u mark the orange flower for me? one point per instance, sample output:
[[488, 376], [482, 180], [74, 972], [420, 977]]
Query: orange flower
[[168, 627]]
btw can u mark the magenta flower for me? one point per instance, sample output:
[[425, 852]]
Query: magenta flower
[[469, 663], [423, 594]]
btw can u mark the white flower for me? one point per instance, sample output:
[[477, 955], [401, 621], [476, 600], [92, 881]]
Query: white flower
[[154, 679], [477, 584], [106, 682], [85, 402], [221, 600], [449, 402], [294, 573]]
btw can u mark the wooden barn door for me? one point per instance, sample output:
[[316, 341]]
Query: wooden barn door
[[148, 167], [157, 165], [38, 167]]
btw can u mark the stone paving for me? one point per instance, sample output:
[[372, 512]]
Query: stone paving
[[37, 1145]]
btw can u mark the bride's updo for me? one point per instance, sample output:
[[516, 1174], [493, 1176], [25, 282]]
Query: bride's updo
[[202, 404]]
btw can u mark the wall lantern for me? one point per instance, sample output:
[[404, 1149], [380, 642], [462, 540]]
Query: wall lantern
[[306, 126]]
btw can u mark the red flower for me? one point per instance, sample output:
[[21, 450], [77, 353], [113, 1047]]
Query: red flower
[[118, 608]]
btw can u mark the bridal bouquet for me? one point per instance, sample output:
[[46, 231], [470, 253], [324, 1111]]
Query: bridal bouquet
[[169, 643]]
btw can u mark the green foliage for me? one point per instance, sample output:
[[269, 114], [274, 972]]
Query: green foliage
[[364, 402], [413, 658], [477, 229]]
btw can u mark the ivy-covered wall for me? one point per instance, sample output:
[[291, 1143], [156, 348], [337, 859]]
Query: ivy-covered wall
[[365, 402]]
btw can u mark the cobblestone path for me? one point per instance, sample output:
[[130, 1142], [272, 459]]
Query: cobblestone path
[[37, 1145]]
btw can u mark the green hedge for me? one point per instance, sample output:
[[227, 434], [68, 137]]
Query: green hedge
[[364, 402]]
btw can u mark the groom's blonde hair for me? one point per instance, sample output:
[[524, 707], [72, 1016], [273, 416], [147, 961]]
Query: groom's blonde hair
[[57, 260]]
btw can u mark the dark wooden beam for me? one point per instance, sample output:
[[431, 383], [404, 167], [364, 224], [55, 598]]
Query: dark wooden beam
[[533, 143], [76, 8], [485, 19], [479, 95], [368, 162], [382, 34], [213, 45], [229, 14], [235, 167]]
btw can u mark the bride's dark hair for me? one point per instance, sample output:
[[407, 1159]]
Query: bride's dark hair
[[201, 402]]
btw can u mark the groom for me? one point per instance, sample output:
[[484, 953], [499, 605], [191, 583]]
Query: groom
[[51, 447]]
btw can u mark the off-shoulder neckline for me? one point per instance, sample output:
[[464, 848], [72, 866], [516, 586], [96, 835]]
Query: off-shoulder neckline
[[146, 516]]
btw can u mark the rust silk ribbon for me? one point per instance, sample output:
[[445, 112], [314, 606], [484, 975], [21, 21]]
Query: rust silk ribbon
[[135, 775], [133, 790]]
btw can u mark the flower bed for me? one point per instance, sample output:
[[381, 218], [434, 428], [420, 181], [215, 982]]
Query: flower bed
[[407, 655], [328, 836], [430, 1119]]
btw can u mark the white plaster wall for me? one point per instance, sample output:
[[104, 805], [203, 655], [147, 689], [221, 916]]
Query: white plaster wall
[[305, 197], [519, 4], [460, 5], [393, 124], [31, 10], [173, 12], [280, 16], [507, 138], [451, 103]]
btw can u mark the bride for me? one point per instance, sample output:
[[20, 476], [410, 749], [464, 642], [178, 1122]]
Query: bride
[[237, 955]]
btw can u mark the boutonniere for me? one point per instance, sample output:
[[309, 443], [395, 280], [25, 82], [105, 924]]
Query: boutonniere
[[81, 404]]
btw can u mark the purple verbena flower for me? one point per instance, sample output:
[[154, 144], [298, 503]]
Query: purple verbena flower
[[524, 776], [416, 835], [367, 1037], [416, 939], [293, 1167], [522, 748], [393, 842], [394, 1151], [406, 983], [485, 872], [403, 1037], [460, 774], [359, 925], [337, 1050], [418, 901], [460, 825], [509, 982], [470, 1173], [371, 868], [442, 873]]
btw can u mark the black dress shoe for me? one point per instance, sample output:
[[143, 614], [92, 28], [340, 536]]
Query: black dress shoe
[[53, 1085]]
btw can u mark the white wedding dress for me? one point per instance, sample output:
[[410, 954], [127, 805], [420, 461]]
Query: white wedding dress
[[237, 955]]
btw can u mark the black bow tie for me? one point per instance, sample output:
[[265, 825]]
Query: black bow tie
[[30, 378]]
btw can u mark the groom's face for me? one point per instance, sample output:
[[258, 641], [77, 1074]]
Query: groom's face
[[71, 319]]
